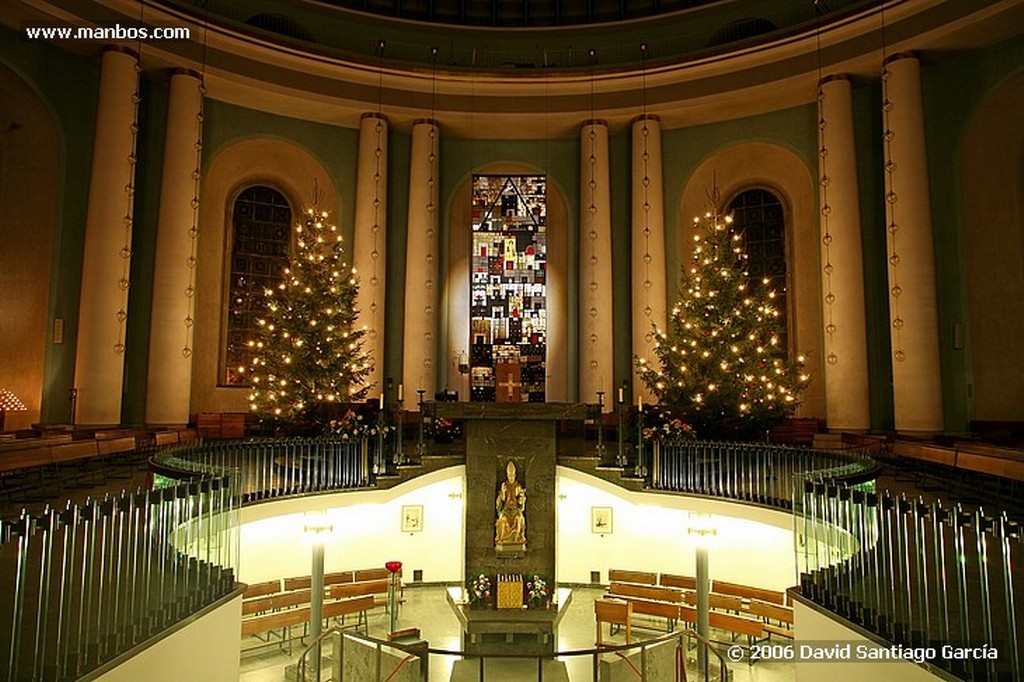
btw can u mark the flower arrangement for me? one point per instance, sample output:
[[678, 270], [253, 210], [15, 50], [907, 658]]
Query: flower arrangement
[[480, 589], [353, 426], [537, 590], [444, 430], [665, 427]]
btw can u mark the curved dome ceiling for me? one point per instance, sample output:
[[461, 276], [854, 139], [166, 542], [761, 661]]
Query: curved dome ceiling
[[521, 13]]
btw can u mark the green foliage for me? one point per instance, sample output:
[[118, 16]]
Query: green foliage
[[720, 366], [307, 353]]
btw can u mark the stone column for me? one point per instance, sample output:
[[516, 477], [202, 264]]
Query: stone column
[[99, 359], [847, 401], [595, 265], [169, 381], [419, 358], [917, 379], [370, 240], [648, 242]]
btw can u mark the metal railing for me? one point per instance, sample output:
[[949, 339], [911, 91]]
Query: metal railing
[[349, 655], [89, 582], [759, 473], [916, 574], [269, 468]]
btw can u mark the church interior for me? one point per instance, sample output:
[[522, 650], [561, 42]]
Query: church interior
[[519, 190]]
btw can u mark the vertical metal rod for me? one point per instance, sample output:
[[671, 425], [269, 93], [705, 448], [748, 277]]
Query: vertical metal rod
[[961, 573], [981, 526], [702, 606], [1009, 601], [43, 612], [316, 603], [25, 531], [939, 547]]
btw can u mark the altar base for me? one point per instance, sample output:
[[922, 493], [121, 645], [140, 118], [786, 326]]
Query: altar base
[[501, 631]]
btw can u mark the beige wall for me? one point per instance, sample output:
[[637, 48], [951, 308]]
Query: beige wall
[[29, 167], [992, 172], [758, 164], [278, 164]]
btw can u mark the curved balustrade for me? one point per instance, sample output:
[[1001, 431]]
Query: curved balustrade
[[271, 468], [356, 657], [918, 575], [89, 582], [759, 473]]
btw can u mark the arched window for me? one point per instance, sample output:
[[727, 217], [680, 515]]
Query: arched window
[[758, 216], [261, 224]]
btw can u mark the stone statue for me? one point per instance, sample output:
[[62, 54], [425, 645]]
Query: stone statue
[[510, 528]]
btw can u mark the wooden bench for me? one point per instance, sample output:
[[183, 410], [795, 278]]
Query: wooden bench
[[284, 620], [768, 612], [719, 602], [738, 625], [685, 582], [735, 589], [615, 612], [651, 600], [637, 577]]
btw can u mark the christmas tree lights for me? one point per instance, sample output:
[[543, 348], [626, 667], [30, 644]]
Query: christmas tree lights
[[306, 352], [720, 366]]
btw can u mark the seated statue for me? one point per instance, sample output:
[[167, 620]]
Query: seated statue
[[510, 528]]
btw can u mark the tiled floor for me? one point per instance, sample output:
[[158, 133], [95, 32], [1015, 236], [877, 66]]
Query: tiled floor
[[427, 609]]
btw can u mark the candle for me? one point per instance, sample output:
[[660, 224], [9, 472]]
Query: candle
[[381, 400], [401, 393], [640, 403], [622, 398]]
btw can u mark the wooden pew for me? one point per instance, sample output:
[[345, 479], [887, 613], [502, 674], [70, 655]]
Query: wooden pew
[[719, 602], [262, 589], [738, 625], [651, 592], [748, 592], [783, 615], [685, 582], [638, 577], [614, 612]]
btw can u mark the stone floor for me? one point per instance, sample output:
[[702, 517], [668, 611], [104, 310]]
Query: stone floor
[[427, 609]]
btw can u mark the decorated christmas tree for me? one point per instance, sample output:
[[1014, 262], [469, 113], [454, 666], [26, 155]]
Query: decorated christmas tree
[[306, 353], [720, 366]]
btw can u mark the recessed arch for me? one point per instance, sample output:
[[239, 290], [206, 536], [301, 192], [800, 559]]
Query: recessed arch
[[750, 165], [289, 169], [457, 278], [992, 183], [30, 166]]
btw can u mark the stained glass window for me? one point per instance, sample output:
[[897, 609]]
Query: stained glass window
[[261, 225], [758, 216], [508, 326]]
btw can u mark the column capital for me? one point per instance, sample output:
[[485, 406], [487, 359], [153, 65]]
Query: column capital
[[122, 49], [192, 73], [645, 117], [374, 114], [594, 122], [424, 121], [897, 56], [836, 77]]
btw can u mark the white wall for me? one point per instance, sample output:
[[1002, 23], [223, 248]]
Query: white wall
[[650, 534], [817, 629], [754, 546], [203, 650], [366, 531]]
